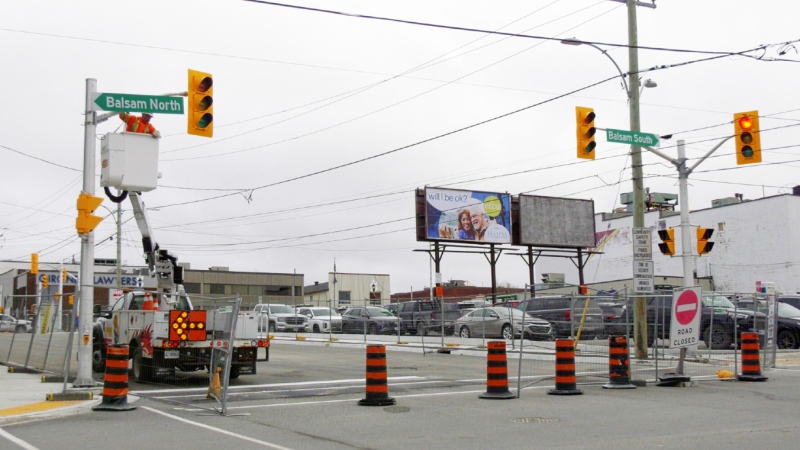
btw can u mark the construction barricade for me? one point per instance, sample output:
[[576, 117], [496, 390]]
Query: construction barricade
[[377, 386], [497, 372], [115, 386]]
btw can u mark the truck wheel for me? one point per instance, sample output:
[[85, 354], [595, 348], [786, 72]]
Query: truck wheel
[[787, 339], [271, 327], [316, 328], [421, 330], [234, 373], [141, 371], [98, 355], [506, 332], [718, 338]]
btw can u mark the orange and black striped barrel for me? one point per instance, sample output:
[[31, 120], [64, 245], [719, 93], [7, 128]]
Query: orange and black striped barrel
[[565, 369], [497, 372], [115, 385], [751, 366], [377, 386], [619, 369]]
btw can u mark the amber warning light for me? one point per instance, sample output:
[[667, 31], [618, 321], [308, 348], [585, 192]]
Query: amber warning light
[[187, 325]]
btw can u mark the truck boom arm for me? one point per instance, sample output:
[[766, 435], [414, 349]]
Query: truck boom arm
[[161, 264]]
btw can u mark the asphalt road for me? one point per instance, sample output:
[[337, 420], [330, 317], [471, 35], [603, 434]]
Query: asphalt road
[[306, 397]]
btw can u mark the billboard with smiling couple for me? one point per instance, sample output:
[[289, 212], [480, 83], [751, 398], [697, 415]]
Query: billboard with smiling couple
[[466, 216]]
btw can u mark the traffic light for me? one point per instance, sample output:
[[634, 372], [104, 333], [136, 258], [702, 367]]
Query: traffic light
[[71, 299], [667, 244], [200, 117], [748, 137], [63, 275], [86, 222], [34, 263], [58, 296], [703, 235], [584, 132], [45, 282]]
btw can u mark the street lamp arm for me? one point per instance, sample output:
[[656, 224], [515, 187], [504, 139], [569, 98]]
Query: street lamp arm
[[574, 41]]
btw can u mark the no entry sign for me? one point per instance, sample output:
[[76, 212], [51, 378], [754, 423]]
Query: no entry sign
[[685, 324]]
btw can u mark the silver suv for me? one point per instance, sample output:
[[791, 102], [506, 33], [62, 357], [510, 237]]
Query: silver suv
[[279, 318]]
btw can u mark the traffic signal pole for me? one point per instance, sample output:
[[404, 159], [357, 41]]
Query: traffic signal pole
[[86, 293]]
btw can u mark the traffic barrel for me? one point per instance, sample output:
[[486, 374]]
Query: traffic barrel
[[565, 369], [619, 369], [751, 366], [115, 386], [497, 372], [377, 386]]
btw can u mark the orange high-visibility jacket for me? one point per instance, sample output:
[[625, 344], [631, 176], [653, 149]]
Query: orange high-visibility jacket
[[134, 124]]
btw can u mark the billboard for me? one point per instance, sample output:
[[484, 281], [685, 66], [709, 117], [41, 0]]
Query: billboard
[[466, 216], [556, 222]]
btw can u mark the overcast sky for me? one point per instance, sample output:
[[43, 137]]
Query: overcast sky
[[300, 93]]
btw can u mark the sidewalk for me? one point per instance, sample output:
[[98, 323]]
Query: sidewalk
[[23, 396]]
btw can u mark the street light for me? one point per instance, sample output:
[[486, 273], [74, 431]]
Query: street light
[[633, 92]]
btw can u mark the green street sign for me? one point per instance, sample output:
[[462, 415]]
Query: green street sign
[[506, 297], [638, 139], [156, 104]]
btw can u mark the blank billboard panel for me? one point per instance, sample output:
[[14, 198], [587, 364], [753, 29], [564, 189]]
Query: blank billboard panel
[[556, 222]]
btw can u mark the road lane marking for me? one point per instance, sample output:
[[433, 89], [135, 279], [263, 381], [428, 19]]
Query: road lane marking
[[17, 440], [218, 430]]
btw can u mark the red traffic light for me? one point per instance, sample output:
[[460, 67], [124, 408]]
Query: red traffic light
[[746, 123]]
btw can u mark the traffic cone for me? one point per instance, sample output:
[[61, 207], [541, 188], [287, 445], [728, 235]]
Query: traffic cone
[[497, 372], [377, 386], [751, 366], [566, 382], [215, 387], [619, 370], [147, 305], [115, 385]]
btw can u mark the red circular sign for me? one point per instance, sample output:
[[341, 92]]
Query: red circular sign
[[686, 307]]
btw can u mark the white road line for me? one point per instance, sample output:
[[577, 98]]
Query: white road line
[[218, 430], [251, 386], [17, 440]]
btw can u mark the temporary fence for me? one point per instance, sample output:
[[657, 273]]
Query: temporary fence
[[718, 350]]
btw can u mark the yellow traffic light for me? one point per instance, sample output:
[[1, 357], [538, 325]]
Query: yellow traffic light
[[667, 244], [200, 114], [703, 235], [86, 222], [584, 132], [58, 296], [64, 275], [45, 281], [748, 137], [34, 263], [71, 299]]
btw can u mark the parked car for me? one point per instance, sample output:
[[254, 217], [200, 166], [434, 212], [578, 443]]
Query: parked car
[[791, 299], [9, 323], [373, 319], [564, 315], [423, 316], [392, 308], [279, 318], [717, 325], [752, 316], [321, 319], [502, 322]]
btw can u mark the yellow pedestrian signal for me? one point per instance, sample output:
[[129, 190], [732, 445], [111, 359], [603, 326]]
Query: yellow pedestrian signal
[[200, 116], [34, 263], [748, 137], [86, 222], [584, 132], [667, 244], [703, 235], [45, 282]]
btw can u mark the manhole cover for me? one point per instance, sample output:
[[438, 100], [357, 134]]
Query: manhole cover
[[397, 409], [534, 420]]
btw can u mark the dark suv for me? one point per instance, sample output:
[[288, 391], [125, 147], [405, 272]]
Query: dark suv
[[717, 323], [564, 314]]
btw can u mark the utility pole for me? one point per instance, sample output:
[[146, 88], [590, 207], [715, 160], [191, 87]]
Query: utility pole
[[119, 243], [84, 378], [640, 312]]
